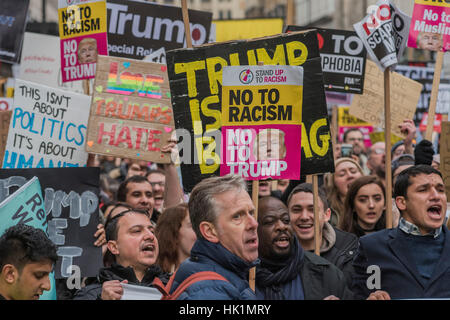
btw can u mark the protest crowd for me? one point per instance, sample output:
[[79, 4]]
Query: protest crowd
[[122, 189]]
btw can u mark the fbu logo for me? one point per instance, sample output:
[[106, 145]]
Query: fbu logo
[[246, 76]]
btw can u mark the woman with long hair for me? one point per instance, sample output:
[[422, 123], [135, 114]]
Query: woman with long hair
[[175, 236], [346, 171], [365, 206]]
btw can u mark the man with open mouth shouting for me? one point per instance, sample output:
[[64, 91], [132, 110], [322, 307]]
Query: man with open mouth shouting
[[411, 261], [287, 272]]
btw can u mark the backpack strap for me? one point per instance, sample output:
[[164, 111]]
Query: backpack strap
[[193, 278]]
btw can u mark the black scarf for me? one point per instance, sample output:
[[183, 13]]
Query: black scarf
[[272, 275]]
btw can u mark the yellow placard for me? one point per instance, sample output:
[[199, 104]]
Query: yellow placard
[[82, 20], [227, 30], [345, 119], [436, 3], [261, 105]]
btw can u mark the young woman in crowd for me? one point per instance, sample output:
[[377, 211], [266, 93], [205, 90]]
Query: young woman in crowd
[[175, 236], [365, 206], [347, 170]]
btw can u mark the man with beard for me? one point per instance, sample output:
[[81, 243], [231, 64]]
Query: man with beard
[[376, 160], [131, 241], [287, 272], [355, 137]]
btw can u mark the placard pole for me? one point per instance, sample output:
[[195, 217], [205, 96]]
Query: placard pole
[[434, 95], [187, 28], [387, 136]]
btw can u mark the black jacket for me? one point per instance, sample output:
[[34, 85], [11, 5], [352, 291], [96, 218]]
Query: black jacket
[[342, 253], [276, 280], [321, 279], [118, 272]]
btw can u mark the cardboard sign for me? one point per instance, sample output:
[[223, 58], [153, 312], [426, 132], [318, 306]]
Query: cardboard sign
[[404, 95], [5, 118], [195, 83], [384, 32], [424, 75], [14, 210], [429, 28], [13, 14], [131, 114], [261, 121], [47, 128], [343, 59], [82, 29], [41, 62], [444, 166], [139, 29], [70, 215]]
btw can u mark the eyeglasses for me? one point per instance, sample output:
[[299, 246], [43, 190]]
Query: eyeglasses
[[379, 151], [160, 184]]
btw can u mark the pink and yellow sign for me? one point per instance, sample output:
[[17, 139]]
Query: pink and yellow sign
[[82, 30], [430, 26], [261, 121]]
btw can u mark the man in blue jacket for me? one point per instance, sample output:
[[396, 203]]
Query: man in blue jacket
[[413, 260], [223, 218]]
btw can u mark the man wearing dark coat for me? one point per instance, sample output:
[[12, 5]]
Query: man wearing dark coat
[[286, 271], [411, 261]]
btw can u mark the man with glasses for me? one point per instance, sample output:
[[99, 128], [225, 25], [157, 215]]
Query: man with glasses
[[157, 179], [355, 137], [376, 159], [134, 248]]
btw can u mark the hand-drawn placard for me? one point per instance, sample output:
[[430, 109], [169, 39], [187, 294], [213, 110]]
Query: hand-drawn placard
[[82, 29], [196, 84], [13, 17], [70, 198], [41, 62], [131, 114], [261, 121], [444, 166], [370, 106], [47, 128], [137, 29], [347, 121], [5, 118]]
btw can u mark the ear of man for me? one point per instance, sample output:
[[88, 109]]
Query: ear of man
[[400, 201], [10, 273], [112, 246], [209, 232]]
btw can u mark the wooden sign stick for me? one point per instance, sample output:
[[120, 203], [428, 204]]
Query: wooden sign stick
[[255, 195], [187, 29], [290, 12], [317, 233], [434, 95], [387, 136]]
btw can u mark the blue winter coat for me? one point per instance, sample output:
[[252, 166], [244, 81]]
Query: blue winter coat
[[208, 256]]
